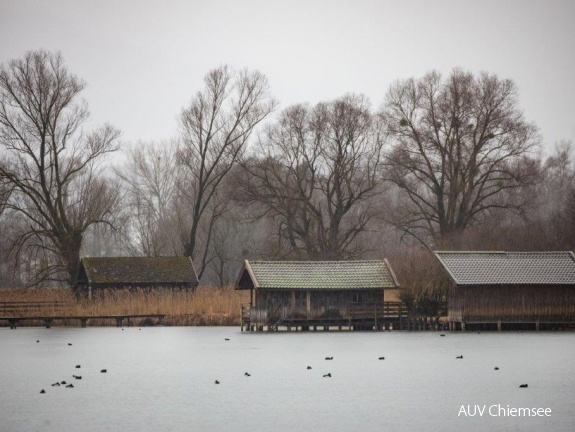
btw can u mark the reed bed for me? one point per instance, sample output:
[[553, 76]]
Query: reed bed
[[205, 306]]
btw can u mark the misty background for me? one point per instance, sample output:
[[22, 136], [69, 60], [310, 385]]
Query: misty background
[[339, 130]]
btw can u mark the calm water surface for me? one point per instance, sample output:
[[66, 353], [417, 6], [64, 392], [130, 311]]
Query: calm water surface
[[162, 379]]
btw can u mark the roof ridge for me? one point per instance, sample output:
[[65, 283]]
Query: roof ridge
[[503, 252], [350, 274], [318, 262], [505, 268]]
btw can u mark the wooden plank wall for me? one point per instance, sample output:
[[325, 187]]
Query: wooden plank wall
[[517, 303]]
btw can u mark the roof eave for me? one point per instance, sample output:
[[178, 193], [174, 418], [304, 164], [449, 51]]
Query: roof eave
[[392, 273], [326, 289], [445, 267], [247, 267]]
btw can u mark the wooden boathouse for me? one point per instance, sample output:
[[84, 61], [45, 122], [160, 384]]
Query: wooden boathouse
[[510, 290], [308, 295], [115, 273]]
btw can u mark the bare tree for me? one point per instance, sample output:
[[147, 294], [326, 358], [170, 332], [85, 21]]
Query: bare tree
[[461, 147], [556, 197], [150, 180], [52, 167], [316, 172], [423, 283], [5, 188], [215, 129]]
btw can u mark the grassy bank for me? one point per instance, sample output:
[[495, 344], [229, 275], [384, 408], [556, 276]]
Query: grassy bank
[[205, 306]]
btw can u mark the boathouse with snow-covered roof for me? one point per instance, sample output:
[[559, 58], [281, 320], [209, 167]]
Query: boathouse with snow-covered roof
[[326, 294], [510, 290]]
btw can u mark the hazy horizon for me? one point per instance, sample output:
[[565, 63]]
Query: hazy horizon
[[144, 60]]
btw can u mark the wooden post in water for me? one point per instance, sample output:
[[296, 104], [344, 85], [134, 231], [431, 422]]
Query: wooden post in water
[[498, 325], [537, 325], [463, 326]]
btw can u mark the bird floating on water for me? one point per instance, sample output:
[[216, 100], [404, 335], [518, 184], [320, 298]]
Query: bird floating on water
[[329, 358], [104, 371], [459, 357], [63, 382], [217, 382], [69, 344], [382, 358], [42, 391], [496, 368], [247, 374], [70, 386], [77, 376], [328, 375], [56, 384], [78, 366], [227, 339], [309, 367], [37, 341], [442, 335], [523, 386]]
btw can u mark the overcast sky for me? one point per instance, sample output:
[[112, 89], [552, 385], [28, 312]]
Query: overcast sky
[[144, 59]]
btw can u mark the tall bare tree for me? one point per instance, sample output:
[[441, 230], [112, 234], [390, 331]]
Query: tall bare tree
[[556, 194], [215, 129], [5, 188], [52, 164], [150, 179], [315, 171], [461, 148]]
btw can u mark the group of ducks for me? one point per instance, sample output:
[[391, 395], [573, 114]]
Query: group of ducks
[[64, 383], [327, 375], [495, 368], [247, 374]]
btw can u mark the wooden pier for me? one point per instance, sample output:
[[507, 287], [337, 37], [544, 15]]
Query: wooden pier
[[83, 319], [50, 311]]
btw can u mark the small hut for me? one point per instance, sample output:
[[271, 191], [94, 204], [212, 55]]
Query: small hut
[[317, 294], [99, 273], [510, 289]]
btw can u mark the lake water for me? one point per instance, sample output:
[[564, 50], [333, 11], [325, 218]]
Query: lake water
[[162, 379]]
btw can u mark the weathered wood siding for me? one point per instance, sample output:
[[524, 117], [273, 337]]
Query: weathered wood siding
[[454, 303], [294, 303], [517, 303]]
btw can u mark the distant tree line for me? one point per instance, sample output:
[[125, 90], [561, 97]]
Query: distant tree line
[[446, 162]]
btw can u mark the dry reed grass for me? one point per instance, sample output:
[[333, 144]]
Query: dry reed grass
[[206, 306]]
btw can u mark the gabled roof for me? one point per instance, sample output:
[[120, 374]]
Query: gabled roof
[[509, 268], [332, 275], [145, 270]]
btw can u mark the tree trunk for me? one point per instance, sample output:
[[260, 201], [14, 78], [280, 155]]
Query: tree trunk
[[70, 251]]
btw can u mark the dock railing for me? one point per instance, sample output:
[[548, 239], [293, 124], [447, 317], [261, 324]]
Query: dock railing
[[278, 314], [27, 308]]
